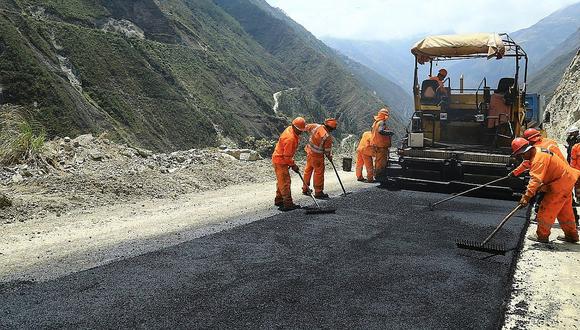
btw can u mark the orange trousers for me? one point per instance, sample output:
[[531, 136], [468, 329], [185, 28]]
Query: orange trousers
[[314, 163], [283, 194], [381, 160], [364, 158], [557, 203]]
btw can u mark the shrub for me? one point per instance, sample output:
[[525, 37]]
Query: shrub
[[20, 140]]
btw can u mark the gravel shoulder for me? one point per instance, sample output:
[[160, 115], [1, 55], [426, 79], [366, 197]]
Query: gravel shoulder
[[546, 290]]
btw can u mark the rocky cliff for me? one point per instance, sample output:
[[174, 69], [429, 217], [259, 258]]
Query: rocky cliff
[[565, 104]]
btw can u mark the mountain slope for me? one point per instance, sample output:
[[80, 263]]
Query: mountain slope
[[317, 66], [171, 74], [391, 59], [547, 79]]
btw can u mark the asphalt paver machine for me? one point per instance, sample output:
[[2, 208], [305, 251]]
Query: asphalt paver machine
[[460, 137]]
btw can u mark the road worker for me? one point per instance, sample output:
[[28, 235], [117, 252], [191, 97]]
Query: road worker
[[364, 157], [535, 138], [440, 78], [572, 140], [552, 173], [381, 141], [574, 160], [319, 145], [283, 160]]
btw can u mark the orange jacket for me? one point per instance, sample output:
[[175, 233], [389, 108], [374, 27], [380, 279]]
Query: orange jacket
[[547, 144], [320, 141], [550, 172], [365, 141], [286, 148], [379, 139], [552, 146], [575, 156]]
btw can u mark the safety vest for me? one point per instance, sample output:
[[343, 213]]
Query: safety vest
[[319, 137]]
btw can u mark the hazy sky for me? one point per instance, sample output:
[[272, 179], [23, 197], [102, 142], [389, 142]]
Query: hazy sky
[[391, 19]]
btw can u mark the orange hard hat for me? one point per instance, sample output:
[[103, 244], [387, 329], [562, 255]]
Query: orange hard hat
[[443, 72], [331, 122], [532, 135], [520, 145], [299, 123]]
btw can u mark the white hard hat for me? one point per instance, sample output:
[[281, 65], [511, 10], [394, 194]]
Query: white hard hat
[[573, 129]]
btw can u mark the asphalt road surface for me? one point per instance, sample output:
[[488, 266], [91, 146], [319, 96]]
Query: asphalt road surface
[[382, 261]]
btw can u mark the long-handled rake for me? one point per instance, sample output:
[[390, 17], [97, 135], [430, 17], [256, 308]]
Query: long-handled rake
[[483, 246], [318, 209], [432, 205]]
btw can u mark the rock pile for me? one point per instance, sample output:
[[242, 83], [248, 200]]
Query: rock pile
[[90, 171]]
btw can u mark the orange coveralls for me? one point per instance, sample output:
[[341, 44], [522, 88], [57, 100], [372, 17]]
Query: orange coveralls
[[558, 178], [381, 143], [364, 157], [544, 143], [575, 156], [319, 144], [283, 159]]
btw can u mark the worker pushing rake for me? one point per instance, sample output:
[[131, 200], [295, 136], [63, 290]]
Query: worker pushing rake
[[551, 174]]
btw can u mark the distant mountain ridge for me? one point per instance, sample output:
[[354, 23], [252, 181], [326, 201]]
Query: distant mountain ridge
[[550, 44]]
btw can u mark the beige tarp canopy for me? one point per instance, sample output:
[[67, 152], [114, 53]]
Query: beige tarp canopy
[[489, 44]]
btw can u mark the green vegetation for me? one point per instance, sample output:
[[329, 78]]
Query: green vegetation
[[20, 140], [201, 73]]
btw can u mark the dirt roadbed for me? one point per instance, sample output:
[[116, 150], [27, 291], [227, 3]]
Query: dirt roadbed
[[48, 247]]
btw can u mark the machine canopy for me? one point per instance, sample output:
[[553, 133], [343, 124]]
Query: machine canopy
[[459, 45]]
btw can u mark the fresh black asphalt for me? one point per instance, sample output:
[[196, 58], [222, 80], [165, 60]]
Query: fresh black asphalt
[[382, 261]]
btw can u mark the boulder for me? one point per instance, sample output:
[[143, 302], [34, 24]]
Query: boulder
[[4, 201], [17, 178], [250, 157], [236, 152], [83, 140], [96, 156], [144, 152]]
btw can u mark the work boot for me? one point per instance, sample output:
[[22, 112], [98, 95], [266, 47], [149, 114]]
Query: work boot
[[566, 239], [535, 238], [290, 207], [278, 204], [361, 179], [370, 181], [321, 195]]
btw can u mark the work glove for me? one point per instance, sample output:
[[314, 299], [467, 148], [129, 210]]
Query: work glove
[[329, 157], [295, 168], [525, 200], [511, 174]]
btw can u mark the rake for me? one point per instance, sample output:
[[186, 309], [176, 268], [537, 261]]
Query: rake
[[483, 246], [318, 209]]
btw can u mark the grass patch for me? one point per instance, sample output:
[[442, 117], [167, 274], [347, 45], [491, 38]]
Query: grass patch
[[21, 140]]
